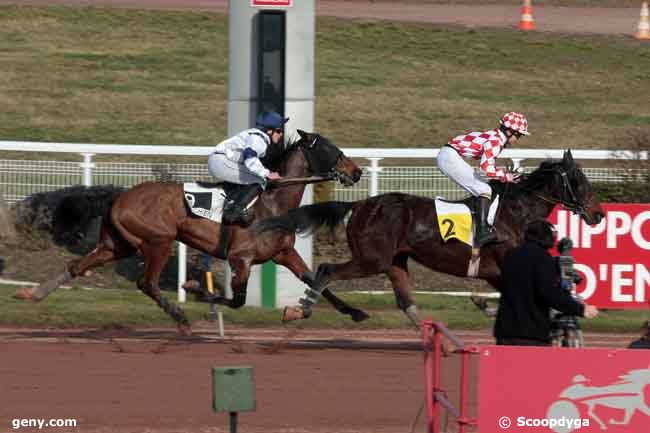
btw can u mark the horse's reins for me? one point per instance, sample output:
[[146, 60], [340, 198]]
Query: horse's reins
[[576, 206], [301, 180]]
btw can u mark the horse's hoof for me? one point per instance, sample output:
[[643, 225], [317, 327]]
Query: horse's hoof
[[290, 314], [359, 316], [480, 302], [191, 285], [447, 348], [24, 294], [185, 330], [27, 293]]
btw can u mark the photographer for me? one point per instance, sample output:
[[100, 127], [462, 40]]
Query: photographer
[[530, 289]]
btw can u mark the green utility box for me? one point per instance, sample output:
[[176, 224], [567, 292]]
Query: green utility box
[[233, 389]]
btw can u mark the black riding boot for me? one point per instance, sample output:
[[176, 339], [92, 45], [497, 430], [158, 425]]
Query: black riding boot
[[234, 210], [485, 233]]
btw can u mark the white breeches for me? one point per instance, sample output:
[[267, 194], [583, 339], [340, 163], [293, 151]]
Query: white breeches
[[452, 165], [222, 168]]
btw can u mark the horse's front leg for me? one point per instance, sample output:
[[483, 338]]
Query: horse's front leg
[[291, 260], [355, 314]]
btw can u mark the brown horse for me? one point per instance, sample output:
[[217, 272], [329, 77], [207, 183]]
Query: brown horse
[[150, 216], [383, 232]]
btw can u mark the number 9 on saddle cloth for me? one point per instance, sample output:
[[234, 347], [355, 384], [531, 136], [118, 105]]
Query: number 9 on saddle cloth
[[222, 202]]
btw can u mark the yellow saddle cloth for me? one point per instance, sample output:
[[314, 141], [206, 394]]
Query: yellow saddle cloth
[[455, 220]]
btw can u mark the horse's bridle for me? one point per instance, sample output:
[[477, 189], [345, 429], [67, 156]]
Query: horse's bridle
[[331, 174], [575, 205]]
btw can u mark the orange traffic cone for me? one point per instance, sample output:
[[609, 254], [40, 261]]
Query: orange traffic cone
[[643, 30], [527, 22]]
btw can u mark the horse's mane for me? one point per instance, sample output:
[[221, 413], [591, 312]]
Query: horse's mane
[[276, 155], [534, 181]]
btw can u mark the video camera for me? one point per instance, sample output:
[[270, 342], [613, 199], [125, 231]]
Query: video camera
[[566, 263]]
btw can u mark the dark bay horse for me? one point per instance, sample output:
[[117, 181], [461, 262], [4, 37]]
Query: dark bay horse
[[383, 232], [150, 216]]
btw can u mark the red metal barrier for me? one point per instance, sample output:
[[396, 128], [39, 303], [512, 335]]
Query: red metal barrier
[[432, 333], [541, 389]]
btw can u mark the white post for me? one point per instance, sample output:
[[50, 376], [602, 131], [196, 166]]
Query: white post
[[220, 319], [182, 271], [227, 276], [87, 167], [374, 176]]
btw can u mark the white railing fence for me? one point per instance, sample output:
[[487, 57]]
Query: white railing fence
[[20, 178]]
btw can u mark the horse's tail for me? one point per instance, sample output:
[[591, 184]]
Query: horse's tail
[[306, 218], [78, 209]]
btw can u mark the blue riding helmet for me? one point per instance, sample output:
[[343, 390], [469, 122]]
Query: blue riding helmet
[[270, 120]]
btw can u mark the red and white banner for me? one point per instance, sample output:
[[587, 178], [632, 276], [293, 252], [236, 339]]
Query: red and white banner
[[612, 256], [271, 3], [544, 390]]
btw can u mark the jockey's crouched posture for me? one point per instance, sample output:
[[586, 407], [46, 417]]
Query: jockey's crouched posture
[[484, 146], [237, 160]]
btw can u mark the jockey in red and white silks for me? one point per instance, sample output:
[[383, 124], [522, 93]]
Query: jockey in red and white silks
[[486, 147]]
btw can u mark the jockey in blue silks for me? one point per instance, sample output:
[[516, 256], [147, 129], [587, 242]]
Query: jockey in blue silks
[[238, 160]]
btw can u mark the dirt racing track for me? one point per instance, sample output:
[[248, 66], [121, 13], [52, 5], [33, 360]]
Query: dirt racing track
[[150, 382]]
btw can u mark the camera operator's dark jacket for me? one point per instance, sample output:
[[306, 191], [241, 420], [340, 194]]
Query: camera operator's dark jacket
[[530, 289], [641, 343]]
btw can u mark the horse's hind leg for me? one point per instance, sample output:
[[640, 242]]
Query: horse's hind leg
[[155, 258], [108, 249], [292, 261], [241, 269], [328, 272], [399, 277]]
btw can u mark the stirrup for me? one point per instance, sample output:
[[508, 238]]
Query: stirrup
[[246, 218], [488, 236], [241, 217]]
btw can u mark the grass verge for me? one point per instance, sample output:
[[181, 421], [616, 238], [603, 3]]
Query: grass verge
[[79, 308]]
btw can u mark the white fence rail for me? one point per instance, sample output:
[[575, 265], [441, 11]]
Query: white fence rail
[[21, 178]]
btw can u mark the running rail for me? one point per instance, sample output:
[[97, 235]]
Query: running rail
[[436, 397]]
